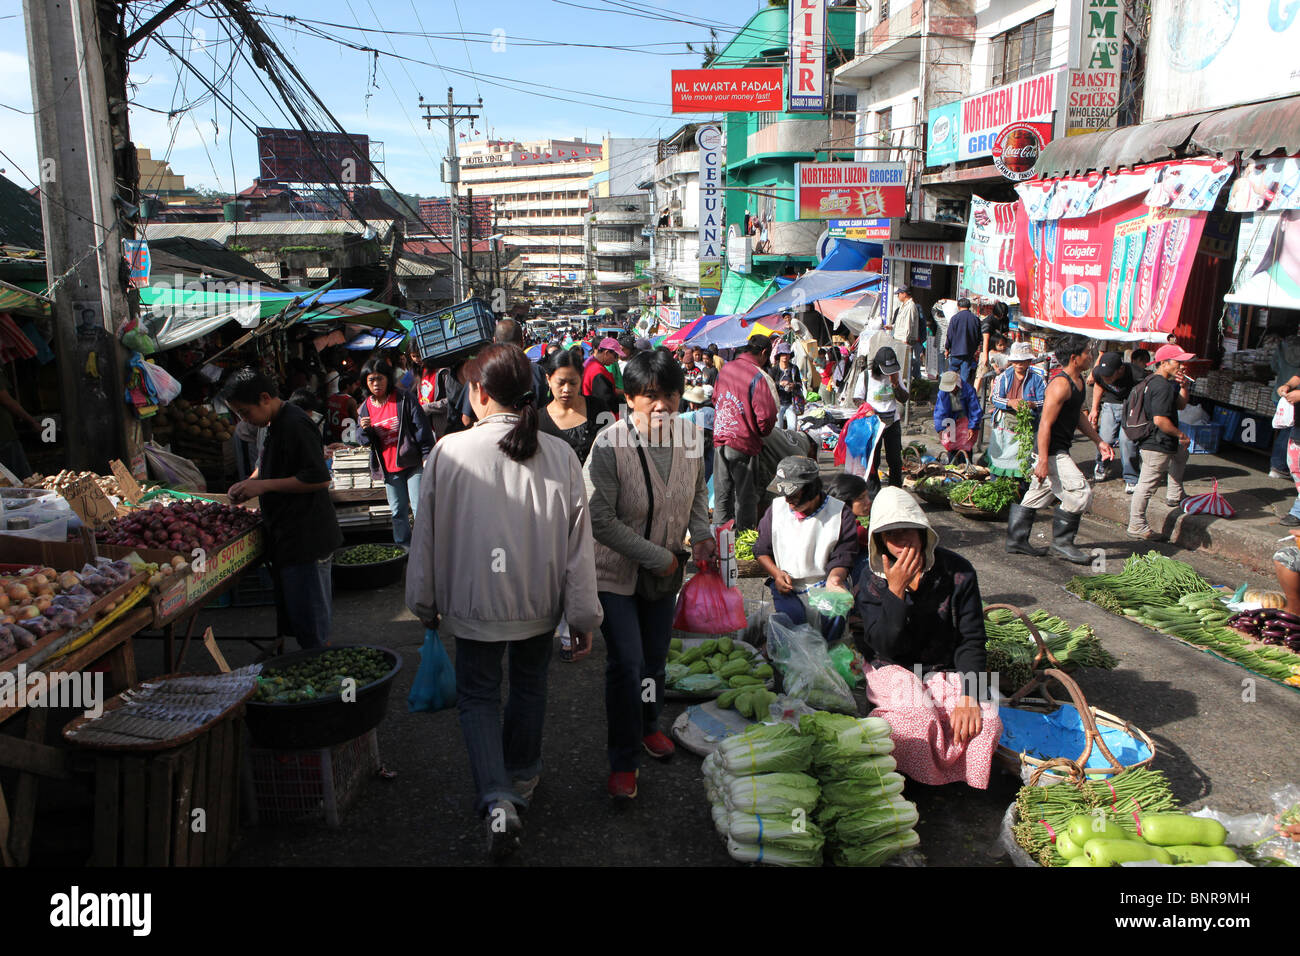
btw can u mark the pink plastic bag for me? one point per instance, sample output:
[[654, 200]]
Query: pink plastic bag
[[958, 437], [707, 606]]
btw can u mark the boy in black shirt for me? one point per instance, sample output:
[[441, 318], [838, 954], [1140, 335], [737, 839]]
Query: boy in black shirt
[[292, 481], [1164, 451]]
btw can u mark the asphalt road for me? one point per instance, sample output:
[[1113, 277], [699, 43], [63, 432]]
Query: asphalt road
[[1225, 739]]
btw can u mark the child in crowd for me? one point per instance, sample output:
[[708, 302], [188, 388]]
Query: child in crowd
[[852, 490], [292, 484]]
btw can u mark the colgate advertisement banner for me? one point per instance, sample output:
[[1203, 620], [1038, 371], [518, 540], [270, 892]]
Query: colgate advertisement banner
[[1117, 273], [990, 261]]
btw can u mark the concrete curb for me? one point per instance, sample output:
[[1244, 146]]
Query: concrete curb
[[1247, 544]]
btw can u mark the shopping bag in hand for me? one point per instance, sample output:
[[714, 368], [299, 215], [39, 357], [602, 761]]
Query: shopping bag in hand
[[435, 682], [958, 436], [707, 606]]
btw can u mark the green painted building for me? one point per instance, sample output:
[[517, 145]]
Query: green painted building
[[762, 148]]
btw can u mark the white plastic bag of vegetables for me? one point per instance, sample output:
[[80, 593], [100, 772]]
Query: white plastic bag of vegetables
[[807, 672]]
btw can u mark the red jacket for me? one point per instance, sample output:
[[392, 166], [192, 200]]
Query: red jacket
[[744, 404]]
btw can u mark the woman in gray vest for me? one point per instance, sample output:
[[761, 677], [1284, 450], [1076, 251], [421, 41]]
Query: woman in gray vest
[[646, 475]]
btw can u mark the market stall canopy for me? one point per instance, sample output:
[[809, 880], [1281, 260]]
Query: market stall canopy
[[850, 254], [853, 311], [176, 316], [740, 292], [733, 331], [358, 312], [810, 287], [1255, 129], [376, 339], [674, 339], [14, 298]]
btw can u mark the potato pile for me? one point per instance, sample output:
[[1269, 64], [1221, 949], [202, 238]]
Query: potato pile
[[182, 419], [66, 478]]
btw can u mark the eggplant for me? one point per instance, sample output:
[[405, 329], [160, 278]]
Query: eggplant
[[25, 637]]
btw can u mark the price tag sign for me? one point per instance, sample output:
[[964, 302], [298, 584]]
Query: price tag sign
[[89, 502], [126, 482]]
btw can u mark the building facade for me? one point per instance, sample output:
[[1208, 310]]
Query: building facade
[[618, 243], [540, 191], [673, 189]]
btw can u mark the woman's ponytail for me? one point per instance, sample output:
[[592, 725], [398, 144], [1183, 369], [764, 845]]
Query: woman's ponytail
[[520, 442], [506, 376]]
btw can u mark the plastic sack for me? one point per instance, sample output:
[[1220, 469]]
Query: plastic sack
[[828, 602], [434, 686], [842, 660], [707, 606], [1284, 414], [161, 382], [173, 470], [958, 437], [800, 653]]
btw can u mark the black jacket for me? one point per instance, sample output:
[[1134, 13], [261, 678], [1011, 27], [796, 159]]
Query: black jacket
[[940, 626]]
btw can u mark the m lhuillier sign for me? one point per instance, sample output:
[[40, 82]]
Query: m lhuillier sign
[[746, 90], [807, 86], [1092, 101]]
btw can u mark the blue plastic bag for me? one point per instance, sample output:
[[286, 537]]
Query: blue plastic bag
[[435, 682]]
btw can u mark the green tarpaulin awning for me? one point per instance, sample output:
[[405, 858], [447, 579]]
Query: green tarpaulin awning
[[740, 292]]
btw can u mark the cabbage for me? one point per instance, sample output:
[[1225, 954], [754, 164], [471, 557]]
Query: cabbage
[[877, 852], [774, 855], [860, 793], [771, 793], [765, 748], [858, 827], [791, 832]]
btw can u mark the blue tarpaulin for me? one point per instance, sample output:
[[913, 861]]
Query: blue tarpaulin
[[810, 287], [850, 254], [1060, 734], [377, 339]]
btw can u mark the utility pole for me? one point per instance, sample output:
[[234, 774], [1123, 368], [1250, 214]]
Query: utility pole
[[77, 68], [452, 113], [469, 253]]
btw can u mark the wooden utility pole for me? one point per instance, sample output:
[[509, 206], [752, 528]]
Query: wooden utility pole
[[79, 102]]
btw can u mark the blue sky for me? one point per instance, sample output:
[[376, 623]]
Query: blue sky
[[593, 91]]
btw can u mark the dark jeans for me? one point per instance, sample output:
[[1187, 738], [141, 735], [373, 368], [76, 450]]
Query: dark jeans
[[792, 606], [304, 601], [891, 440], [734, 493], [500, 755], [963, 365], [1276, 462], [636, 636]]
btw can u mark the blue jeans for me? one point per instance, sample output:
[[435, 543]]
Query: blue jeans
[[1110, 423], [1278, 460], [403, 491], [636, 635], [964, 366], [304, 601], [500, 755], [792, 606]]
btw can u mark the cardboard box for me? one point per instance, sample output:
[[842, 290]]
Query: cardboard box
[[29, 552]]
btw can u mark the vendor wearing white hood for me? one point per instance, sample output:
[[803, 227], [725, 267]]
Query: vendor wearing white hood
[[921, 608]]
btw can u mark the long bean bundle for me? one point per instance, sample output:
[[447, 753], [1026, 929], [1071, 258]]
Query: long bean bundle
[[1046, 811], [1011, 649], [1202, 621], [1149, 578]]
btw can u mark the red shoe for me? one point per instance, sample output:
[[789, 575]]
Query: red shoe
[[658, 745], [622, 785]]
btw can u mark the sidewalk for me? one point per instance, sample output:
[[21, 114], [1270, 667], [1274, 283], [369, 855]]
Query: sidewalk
[[1249, 538]]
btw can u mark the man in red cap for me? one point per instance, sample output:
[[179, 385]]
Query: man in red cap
[[1164, 450], [597, 379]]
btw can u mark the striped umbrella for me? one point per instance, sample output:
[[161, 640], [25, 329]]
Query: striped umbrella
[[536, 352], [1210, 503]]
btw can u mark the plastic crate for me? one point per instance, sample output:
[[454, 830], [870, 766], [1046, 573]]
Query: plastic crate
[[453, 332], [255, 589], [1204, 438], [282, 786]]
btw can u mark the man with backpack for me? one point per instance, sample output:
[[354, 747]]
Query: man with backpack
[[1055, 473], [1151, 418]]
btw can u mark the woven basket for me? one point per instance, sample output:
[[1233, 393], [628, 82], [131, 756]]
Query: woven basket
[[932, 495], [749, 568], [1043, 772], [967, 510]]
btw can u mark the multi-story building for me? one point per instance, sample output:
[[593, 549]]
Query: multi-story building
[[673, 188], [618, 244], [541, 194], [763, 148]]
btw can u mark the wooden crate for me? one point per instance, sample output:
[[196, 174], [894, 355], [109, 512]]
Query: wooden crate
[[145, 803]]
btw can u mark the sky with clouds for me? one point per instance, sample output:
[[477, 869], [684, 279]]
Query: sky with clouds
[[544, 68]]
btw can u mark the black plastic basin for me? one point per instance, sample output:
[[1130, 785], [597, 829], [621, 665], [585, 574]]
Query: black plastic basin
[[315, 724], [365, 577]]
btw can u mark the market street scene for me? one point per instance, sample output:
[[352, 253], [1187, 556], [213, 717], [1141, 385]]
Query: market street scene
[[776, 433]]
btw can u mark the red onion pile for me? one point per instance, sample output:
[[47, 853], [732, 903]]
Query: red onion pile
[[180, 527]]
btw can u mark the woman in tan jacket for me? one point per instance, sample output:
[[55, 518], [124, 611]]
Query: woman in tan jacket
[[647, 479], [502, 551]]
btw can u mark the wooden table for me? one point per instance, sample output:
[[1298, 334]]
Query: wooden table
[[31, 756]]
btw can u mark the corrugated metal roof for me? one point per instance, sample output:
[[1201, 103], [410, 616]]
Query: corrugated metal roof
[[1257, 129], [1111, 149], [407, 266], [1254, 129], [223, 231]]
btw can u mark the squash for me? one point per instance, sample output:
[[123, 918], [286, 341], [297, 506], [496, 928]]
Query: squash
[[1265, 598]]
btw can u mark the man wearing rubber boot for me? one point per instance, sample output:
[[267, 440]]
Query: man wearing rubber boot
[[1055, 473]]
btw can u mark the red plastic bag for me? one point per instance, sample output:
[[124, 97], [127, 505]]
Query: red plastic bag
[[958, 436], [707, 606]]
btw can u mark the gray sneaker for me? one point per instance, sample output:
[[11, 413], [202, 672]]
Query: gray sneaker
[[526, 788], [1129, 489], [504, 829], [1099, 474]]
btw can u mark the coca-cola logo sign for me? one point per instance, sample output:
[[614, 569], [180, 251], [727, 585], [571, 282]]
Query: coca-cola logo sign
[[1016, 149]]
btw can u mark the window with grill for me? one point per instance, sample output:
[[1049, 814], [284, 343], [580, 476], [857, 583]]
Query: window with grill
[[884, 10], [1022, 51]]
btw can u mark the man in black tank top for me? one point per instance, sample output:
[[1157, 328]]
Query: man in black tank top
[[1055, 473]]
